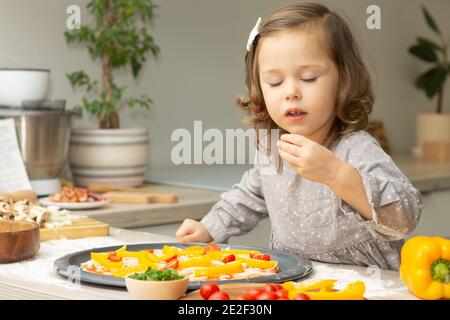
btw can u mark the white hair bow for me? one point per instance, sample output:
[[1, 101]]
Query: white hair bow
[[253, 34]]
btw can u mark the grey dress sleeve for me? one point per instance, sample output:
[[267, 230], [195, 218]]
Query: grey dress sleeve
[[239, 210], [396, 204]]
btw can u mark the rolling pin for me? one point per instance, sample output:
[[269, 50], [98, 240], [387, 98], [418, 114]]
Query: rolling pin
[[97, 187], [139, 198]]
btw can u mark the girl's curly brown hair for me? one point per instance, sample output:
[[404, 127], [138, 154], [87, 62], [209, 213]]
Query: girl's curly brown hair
[[354, 100]]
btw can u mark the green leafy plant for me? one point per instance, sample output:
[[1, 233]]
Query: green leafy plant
[[433, 80], [157, 275], [118, 39]]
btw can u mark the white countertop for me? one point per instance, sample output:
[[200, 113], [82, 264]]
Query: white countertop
[[192, 203], [36, 279], [199, 188]]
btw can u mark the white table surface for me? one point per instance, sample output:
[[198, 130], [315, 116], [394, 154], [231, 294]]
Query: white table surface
[[36, 279]]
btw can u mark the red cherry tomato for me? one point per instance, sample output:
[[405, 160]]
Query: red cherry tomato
[[251, 294], [260, 256], [171, 258], [113, 257], [219, 296], [267, 295], [272, 287], [229, 258], [174, 263], [282, 294], [212, 247], [208, 289], [302, 296]]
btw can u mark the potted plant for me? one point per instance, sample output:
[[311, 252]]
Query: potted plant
[[118, 39], [433, 129]]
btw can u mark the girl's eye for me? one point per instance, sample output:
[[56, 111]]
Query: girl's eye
[[273, 85], [309, 80]]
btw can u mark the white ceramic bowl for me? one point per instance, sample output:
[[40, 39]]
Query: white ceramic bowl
[[18, 85], [156, 290]]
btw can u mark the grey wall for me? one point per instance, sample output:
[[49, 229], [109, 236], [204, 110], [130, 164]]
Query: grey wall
[[200, 69]]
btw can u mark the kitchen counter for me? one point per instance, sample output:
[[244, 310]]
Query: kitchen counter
[[195, 198], [36, 279], [426, 176], [192, 203]]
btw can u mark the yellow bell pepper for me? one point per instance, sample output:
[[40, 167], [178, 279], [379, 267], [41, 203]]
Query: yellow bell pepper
[[195, 262], [194, 248], [354, 291], [123, 248], [236, 251], [169, 251], [324, 285], [255, 263], [102, 259], [229, 268], [218, 255], [191, 253], [425, 267], [152, 258], [123, 272], [129, 254]]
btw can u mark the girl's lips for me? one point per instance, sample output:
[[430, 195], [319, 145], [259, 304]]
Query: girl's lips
[[296, 116]]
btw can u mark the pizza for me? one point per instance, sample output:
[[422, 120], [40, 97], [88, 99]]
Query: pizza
[[199, 263]]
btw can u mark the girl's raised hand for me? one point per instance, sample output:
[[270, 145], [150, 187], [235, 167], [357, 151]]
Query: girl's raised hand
[[309, 159]]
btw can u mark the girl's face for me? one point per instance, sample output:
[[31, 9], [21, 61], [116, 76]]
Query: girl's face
[[299, 83]]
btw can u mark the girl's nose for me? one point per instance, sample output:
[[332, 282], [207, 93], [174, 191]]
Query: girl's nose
[[292, 92]]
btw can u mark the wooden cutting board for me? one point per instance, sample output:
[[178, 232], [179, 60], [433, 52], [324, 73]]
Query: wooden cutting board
[[82, 228], [139, 198]]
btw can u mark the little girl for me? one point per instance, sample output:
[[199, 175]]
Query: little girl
[[336, 196]]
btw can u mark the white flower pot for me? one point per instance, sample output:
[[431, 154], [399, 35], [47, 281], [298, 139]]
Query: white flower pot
[[109, 156]]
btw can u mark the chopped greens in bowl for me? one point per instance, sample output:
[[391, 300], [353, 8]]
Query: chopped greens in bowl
[[157, 275]]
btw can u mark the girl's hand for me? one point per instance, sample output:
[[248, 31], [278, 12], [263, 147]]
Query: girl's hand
[[193, 231], [309, 159]]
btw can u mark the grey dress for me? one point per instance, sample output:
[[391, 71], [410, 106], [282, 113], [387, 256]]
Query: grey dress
[[310, 220]]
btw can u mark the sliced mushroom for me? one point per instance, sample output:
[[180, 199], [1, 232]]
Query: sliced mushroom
[[39, 214], [5, 210]]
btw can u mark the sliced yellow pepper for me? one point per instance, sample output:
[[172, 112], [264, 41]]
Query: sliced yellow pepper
[[123, 248], [129, 254], [194, 248], [191, 253], [354, 291], [123, 272], [425, 267], [255, 263], [99, 255], [195, 262], [152, 258], [169, 251], [229, 268], [327, 285], [104, 262], [215, 254], [247, 252]]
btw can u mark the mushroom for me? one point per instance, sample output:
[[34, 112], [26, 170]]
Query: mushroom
[[5, 210], [39, 214]]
